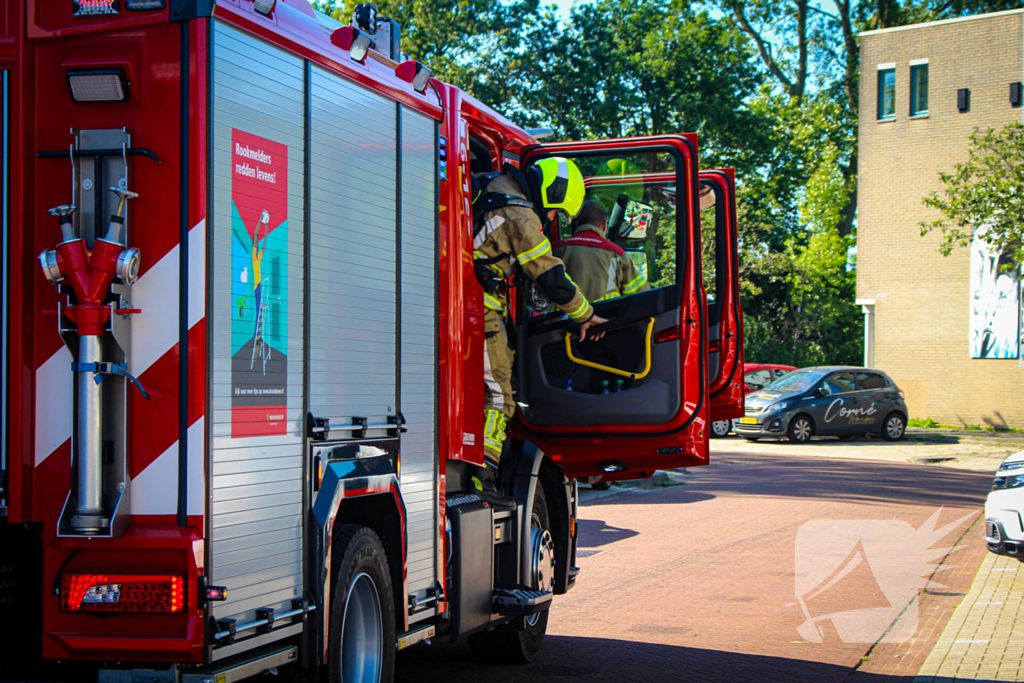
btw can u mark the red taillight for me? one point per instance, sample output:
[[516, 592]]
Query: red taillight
[[148, 593], [671, 334], [713, 346]]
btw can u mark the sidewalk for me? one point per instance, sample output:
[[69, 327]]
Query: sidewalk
[[984, 639], [978, 451]]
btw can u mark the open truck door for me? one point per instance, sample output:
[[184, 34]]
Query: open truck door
[[637, 400], [722, 282]]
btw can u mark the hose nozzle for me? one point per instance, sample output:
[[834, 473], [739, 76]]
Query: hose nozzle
[[63, 215], [117, 220]]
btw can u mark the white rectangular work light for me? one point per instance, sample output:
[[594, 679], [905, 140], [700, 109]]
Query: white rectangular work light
[[264, 7], [98, 85]]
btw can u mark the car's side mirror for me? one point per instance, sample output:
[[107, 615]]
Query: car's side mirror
[[821, 392]]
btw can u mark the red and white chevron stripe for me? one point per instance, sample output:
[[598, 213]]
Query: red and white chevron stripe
[[153, 358]]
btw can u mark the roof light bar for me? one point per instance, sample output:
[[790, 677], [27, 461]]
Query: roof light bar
[[139, 593], [98, 85]]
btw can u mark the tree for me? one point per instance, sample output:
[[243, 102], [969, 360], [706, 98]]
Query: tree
[[465, 42], [983, 197]]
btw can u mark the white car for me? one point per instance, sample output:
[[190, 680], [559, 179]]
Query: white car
[[1004, 529]]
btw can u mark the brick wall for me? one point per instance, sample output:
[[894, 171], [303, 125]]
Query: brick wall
[[922, 299]]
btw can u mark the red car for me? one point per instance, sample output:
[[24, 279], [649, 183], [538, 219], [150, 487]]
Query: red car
[[756, 376]]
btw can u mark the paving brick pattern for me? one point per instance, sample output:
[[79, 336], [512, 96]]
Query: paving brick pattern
[[984, 639], [696, 582]]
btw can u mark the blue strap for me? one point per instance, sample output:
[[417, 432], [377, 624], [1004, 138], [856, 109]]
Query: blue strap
[[101, 369]]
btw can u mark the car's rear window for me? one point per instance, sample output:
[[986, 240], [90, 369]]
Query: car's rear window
[[797, 380]]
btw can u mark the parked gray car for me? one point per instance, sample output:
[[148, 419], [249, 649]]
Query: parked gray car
[[833, 401]]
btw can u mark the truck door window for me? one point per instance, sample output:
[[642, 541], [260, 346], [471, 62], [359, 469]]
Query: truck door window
[[479, 156], [712, 229], [642, 216]]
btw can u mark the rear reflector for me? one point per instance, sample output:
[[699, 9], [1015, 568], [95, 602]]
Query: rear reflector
[[149, 593], [92, 8], [671, 334], [98, 85]]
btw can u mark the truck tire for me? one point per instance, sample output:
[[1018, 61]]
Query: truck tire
[[362, 637], [520, 646]]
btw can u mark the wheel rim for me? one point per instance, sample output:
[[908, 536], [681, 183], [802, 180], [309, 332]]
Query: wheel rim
[[362, 633], [802, 430], [895, 427], [720, 428], [542, 561]]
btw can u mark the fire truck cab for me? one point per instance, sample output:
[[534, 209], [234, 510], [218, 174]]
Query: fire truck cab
[[243, 346]]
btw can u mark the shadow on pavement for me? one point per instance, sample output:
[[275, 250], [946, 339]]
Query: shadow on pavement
[[856, 481], [594, 533], [599, 659]]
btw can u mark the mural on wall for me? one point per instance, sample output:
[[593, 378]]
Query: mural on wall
[[995, 304]]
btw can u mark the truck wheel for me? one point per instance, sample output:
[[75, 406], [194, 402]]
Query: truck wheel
[[362, 638], [523, 646], [801, 429], [895, 427]]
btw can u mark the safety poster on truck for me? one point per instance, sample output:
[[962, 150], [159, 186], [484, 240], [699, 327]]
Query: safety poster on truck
[[259, 292]]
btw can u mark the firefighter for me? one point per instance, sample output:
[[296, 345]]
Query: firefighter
[[601, 268], [510, 208]]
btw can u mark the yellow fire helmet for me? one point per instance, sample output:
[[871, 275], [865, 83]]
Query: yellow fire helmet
[[561, 185]]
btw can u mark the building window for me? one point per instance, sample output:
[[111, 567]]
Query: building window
[[886, 93], [919, 89]]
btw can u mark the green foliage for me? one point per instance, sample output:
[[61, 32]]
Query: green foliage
[[926, 423], [771, 89], [984, 196], [466, 42]]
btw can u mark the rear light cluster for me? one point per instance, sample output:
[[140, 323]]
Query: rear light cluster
[[139, 593]]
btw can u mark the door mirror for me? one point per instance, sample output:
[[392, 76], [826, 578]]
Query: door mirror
[[630, 218], [821, 392]]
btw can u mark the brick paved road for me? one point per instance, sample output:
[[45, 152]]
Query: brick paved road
[[696, 582]]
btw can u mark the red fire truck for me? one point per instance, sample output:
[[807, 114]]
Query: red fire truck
[[243, 346]]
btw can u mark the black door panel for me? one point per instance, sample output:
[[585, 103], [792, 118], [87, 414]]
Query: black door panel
[[558, 391]]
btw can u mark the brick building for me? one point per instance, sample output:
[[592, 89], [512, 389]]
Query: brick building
[[948, 329]]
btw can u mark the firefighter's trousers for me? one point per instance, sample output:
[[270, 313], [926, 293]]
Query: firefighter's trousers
[[499, 405]]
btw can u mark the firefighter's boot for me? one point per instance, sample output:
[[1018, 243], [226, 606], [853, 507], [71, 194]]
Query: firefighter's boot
[[485, 478]]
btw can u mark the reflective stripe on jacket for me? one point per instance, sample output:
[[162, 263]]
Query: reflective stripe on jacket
[[514, 234], [601, 269]]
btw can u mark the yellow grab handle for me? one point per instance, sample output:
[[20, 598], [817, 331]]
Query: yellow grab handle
[[615, 371]]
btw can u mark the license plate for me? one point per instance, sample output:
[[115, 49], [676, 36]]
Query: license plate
[[748, 420]]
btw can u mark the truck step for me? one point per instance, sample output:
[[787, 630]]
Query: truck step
[[520, 602]]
